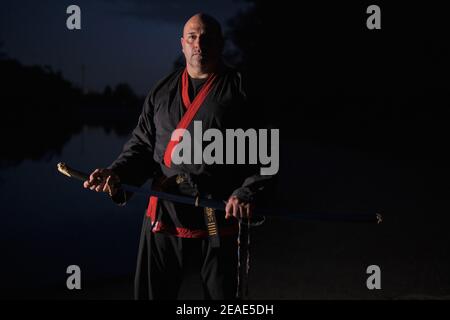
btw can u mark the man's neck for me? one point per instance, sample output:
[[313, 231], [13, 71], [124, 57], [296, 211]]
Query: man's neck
[[201, 73], [196, 73]]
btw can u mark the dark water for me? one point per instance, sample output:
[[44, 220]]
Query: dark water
[[50, 222]]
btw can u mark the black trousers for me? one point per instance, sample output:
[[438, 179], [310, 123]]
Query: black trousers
[[163, 260]]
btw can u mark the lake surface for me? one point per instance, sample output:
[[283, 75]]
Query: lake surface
[[50, 222]]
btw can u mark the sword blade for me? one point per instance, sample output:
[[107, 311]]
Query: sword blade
[[220, 204]]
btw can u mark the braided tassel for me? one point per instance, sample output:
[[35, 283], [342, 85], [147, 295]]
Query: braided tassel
[[243, 275]]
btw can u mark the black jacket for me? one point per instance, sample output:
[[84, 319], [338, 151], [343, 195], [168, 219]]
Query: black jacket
[[142, 156]]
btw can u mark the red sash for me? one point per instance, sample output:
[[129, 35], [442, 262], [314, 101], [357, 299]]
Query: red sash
[[192, 109]]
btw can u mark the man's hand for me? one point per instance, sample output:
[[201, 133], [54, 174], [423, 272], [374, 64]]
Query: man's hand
[[103, 180], [237, 208]]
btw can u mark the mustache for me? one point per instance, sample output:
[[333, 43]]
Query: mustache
[[199, 52]]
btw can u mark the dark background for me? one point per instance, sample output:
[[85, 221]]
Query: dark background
[[363, 124]]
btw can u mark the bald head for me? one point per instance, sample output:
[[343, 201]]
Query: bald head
[[202, 43], [207, 21]]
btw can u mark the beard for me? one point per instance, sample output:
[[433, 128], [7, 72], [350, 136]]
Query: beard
[[199, 60], [202, 61]]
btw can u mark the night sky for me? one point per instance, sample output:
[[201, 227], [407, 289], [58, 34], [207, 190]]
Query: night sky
[[135, 41]]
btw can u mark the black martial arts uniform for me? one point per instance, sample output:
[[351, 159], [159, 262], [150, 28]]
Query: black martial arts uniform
[[179, 232]]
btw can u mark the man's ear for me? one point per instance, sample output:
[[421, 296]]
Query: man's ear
[[182, 44]]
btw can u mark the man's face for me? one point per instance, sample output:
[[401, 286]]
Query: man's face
[[201, 45]]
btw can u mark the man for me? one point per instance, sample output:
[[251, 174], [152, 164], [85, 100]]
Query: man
[[172, 234]]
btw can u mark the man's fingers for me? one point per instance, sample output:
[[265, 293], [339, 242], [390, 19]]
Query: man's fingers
[[110, 186], [241, 211], [238, 209], [102, 180], [94, 175], [99, 186], [235, 209], [106, 186], [227, 209], [98, 176]]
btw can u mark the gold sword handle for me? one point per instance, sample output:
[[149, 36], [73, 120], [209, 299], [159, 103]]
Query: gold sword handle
[[72, 173]]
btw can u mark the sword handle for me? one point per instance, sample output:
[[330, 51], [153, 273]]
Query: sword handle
[[72, 173]]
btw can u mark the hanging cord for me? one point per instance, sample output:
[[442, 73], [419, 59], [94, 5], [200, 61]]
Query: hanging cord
[[238, 280], [243, 272], [247, 264]]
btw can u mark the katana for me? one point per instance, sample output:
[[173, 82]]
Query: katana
[[242, 268], [374, 217]]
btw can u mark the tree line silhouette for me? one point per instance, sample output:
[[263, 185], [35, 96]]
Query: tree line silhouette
[[41, 110], [315, 72]]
